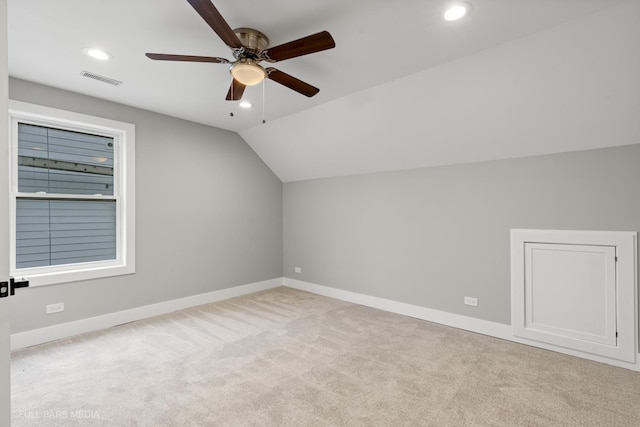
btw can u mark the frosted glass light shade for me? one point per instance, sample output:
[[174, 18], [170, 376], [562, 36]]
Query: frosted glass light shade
[[247, 73]]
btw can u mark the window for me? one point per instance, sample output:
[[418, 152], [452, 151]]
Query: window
[[72, 193]]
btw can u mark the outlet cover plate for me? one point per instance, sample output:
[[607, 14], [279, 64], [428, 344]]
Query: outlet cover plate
[[471, 301], [55, 308]]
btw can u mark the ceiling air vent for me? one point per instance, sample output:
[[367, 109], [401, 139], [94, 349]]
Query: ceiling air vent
[[100, 78]]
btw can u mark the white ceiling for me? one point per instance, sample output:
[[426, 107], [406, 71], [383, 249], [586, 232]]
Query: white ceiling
[[389, 91]]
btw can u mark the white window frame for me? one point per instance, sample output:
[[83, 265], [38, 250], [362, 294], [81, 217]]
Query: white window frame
[[123, 135]]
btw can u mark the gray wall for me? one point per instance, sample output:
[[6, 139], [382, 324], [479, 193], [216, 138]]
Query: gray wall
[[208, 216], [431, 236]]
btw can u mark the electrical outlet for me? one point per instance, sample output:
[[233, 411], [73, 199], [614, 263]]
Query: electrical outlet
[[297, 270], [55, 308], [471, 301]]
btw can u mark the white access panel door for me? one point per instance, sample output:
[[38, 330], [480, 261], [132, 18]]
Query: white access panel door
[[574, 291], [570, 291]]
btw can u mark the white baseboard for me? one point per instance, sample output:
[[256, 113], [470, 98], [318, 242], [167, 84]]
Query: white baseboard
[[442, 317], [484, 327], [66, 330]]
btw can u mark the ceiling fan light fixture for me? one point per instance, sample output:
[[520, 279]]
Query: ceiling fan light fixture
[[245, 104], [248, 72], [457, 10]]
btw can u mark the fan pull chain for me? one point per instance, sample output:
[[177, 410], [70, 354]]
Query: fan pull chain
[[232, 85], [263, 96]]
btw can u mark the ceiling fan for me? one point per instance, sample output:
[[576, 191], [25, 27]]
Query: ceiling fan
[[249, 48]]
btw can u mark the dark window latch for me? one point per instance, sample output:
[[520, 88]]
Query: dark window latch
[[4, 289], [13, 284]]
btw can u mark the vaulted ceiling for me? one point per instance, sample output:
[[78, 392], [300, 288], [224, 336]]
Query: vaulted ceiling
[[403, 88]]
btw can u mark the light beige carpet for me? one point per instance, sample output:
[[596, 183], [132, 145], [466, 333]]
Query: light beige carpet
[[289, 358]]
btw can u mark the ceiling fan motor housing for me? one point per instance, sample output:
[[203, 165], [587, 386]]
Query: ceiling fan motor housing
[[253, 42]]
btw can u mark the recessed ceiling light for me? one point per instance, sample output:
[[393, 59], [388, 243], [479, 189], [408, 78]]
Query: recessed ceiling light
[[97, 53], [245, 104], [457, 11]]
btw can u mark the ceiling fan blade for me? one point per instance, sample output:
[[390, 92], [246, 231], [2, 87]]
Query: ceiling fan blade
[[210, 14], [189, 58], [235, 91], [304, 46], [291, 82]]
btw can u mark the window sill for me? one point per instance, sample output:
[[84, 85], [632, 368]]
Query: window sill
[[42, 277]]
